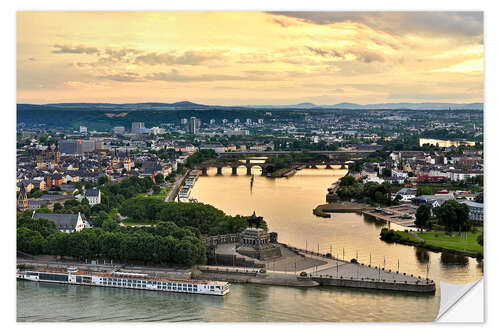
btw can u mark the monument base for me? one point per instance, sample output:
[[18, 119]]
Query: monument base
[[262, 254]]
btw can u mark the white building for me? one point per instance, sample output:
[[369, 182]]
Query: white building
[[118, 129], [373, 179], [399, 174], [407, 194], [93, 195]]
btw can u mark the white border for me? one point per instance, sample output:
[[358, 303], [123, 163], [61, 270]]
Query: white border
[[492, 118]]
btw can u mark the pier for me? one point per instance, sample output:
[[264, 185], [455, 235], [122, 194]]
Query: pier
[[403, 215]]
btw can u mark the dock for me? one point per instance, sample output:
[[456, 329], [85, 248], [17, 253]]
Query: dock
[[403, 215]]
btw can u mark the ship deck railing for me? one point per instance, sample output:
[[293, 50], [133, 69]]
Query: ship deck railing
[[111, 275]]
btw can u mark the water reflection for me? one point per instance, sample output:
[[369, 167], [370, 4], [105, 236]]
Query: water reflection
[[422, 255], [373, 220], [448, 259]]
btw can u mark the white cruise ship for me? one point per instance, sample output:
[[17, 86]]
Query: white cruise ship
[[125, 280]]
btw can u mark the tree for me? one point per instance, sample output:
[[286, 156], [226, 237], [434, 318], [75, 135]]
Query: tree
[[424, 190], [453, 215], [102, 180], [347, 181], [159, 178], [57, 244], [110, 225], [480, 239], [101, 218], [44, 226], [479, 198], [85, 202], [423, 215], [386, 172], [398, 198], [57, 207], [30, 241], [379, 197]]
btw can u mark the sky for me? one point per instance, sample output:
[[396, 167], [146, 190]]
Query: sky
[[242, 58]]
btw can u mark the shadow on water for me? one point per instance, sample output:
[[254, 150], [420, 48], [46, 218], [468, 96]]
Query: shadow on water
[[371, 220], [371, 292], [422, 255], [450, 259]]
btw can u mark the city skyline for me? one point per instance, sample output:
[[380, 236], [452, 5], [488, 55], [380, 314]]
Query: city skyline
[[238, 58]]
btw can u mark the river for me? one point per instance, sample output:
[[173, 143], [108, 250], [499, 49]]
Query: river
[[286, 204]]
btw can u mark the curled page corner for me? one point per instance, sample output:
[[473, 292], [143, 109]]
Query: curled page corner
[[451, 294]]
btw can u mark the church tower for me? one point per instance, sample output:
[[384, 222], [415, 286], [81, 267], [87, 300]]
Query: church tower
[[22, 199]]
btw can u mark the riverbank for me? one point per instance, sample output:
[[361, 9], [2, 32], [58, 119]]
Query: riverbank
[[248, 275], [339, 207], [440, 243]]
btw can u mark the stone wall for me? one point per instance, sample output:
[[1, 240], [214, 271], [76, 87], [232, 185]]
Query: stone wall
[[218, 259], [354, 283], [221, 239]]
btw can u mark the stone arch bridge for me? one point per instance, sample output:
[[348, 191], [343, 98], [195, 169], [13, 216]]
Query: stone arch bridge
[[265, 167]]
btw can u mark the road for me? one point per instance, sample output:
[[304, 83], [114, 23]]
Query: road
[[175, 188]]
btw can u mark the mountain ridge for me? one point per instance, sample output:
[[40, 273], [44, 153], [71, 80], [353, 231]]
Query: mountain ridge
[[188, 105]]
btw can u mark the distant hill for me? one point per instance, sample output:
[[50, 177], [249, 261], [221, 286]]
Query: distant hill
[[187, 105], [410, 106], [393, 106]]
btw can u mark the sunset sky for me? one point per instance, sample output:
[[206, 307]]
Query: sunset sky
[[237, 58]]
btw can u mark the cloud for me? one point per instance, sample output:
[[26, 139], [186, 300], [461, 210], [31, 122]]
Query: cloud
[[175, 76], [325, 52], [468, 24], [65, 49], [192, 57], [123, 77], [364, 55], [283, 23]]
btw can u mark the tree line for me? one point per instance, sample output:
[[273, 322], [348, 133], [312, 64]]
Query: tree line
[[161, 244], [206, 218], [371, 192]]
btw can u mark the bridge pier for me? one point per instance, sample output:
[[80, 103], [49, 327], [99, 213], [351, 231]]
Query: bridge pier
[[219, 171], [328, 166], [342, 166], [314, 166], [247, 161], [203, 171], [249, 170], [234, 171]]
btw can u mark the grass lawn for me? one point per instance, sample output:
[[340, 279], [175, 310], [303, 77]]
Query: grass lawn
[[131, 223], [455, 241], [162, 195]]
